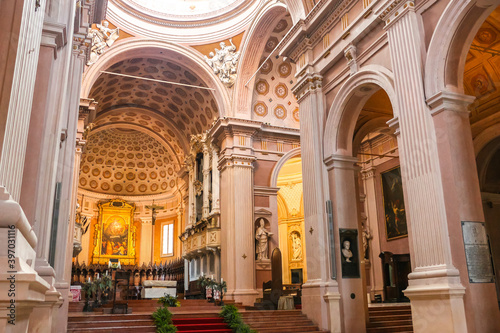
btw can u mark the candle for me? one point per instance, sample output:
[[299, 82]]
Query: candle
[[88, 279], [212, 277], [97, 275], [201, 273], [221, 280]]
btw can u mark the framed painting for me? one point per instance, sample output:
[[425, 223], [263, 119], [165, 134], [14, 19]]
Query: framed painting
[[114, 236], [394, 206]]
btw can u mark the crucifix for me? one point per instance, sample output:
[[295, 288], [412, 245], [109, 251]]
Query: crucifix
[[153, 208]]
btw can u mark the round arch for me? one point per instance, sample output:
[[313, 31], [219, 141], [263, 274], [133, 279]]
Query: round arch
[[345, 110], [485, 137], [133, 47], [144, 130], [277, 168], [253, 47], [450, 42]]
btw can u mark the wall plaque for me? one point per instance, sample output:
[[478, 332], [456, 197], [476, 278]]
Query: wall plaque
[[477, 252]]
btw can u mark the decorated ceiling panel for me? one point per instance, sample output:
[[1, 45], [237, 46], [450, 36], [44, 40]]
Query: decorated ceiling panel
[[482, 69], [191, 110], [273, 101], [146, 120], [126, 162]]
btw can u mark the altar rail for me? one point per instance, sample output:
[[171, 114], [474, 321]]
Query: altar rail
[[172, 271]]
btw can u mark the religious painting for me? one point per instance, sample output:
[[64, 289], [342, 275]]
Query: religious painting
[[349, 254], [114, 236], [394, 206]]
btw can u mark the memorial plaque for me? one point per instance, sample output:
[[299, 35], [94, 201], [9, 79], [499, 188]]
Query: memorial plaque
[[477, 252]]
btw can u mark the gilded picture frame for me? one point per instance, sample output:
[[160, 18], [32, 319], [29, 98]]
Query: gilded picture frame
[[394, 206], [114, 233]]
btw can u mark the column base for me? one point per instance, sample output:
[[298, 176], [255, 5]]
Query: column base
[[321, 304], [245, 296], [437, 302]]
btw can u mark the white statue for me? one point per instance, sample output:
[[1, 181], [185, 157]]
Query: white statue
[[101, 37], [367, 235], [346, 251], [223, 62], [262, 236], [296, 246]]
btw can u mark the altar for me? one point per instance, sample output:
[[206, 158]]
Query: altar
[[157, 289]]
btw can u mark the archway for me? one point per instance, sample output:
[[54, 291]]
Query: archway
[[362, 158], [291, 221]]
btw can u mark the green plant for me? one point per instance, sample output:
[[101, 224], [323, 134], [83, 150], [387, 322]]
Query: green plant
[[232, 317], [169, 300], [163, 320]]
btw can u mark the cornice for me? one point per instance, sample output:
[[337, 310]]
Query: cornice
[[307, 84], [310, 31], [265, 190], [341, 162], [449, 101]]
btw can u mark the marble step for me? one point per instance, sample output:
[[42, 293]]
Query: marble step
[[112, 323]]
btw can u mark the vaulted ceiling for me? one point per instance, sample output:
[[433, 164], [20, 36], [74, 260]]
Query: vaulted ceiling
[[191, 110], [126, 162]]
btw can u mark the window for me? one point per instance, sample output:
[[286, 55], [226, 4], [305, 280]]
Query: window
[[167, 248]]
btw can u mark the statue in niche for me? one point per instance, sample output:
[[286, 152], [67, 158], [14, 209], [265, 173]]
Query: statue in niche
[[223, 62], [101, 37], [367, 235], [296, 246], [346, 250], [262, 236]]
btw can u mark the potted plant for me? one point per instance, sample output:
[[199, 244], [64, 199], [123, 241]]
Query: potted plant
[[104, 286], [221, 288], [163, 321], [169, 301], [88, 288]]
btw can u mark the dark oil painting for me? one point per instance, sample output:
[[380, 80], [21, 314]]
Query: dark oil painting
[[394, 206]]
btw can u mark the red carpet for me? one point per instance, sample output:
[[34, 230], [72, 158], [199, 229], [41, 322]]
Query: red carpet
[[201, 325]]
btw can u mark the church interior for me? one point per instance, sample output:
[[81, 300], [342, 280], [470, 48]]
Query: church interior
[[311, 165]]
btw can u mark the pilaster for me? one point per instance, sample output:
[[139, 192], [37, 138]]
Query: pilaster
[[434, 281], [237, 206], [308, 91], [462, 195], [343, 190]]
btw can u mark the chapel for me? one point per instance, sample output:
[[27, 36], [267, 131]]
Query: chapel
[[250, 166]]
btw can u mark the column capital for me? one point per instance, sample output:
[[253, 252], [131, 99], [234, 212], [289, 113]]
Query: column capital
[[368, 173], [393, 10], [227, 161], [341, 162], [309, 83], [449, 101]]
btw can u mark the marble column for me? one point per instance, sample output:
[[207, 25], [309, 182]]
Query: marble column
[[146, 235], [191, 218], [462, 200], [376, 276], [206, 180], [237, 230], [21, 70], [320, 295], [435, 289], [215, 180], [342, 178]]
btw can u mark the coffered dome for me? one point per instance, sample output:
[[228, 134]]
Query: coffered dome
[[126, 162]]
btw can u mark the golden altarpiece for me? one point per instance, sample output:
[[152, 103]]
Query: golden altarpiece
[[114, 233]]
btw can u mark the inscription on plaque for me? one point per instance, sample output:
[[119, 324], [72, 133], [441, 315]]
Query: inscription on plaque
[[477, 252]]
